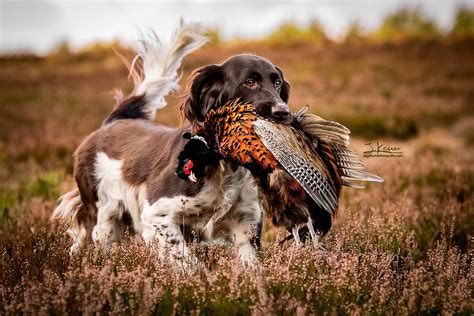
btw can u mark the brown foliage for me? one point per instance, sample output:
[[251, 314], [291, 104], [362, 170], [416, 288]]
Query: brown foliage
[[404, 246]]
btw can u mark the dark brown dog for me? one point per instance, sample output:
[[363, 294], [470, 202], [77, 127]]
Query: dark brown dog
[[125, 171], [251, 78]]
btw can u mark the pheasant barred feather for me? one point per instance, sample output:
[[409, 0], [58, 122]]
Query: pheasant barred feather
[[292, 151], [299, 168], [337, 136], [262, 146]]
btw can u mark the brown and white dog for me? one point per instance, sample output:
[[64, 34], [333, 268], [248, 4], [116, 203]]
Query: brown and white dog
[[125, 171]]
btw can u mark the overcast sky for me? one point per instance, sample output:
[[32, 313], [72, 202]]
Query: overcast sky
[[39, 25]]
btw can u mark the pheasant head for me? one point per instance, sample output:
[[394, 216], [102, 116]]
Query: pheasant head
[[194, 158]]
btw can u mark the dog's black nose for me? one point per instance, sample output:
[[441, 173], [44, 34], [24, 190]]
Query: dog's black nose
[[280, 112]]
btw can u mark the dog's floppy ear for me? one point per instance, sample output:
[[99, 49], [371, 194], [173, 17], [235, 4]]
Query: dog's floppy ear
[[203, 91], [285, 87]]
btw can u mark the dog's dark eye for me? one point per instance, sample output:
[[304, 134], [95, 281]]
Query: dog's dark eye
[[250, 83], [277, 83]]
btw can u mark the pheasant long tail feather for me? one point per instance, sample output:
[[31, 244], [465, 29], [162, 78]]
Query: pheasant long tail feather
[[352, 168], [319, 128], [337, 137]]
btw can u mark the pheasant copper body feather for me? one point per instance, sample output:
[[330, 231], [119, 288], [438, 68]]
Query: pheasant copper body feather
[[299, 168], [229, 130]]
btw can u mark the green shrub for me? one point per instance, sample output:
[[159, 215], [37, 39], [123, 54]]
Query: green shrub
[[62, 50], [406, 24], [47, 185], [7, 201], [290, 33], [464, 22], [214, 36], [371, 127], [354, 33]]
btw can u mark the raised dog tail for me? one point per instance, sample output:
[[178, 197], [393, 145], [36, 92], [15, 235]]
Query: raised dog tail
[[157, 74]]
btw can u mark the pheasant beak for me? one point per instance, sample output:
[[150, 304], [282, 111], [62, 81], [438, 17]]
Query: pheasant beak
[[192, 177]]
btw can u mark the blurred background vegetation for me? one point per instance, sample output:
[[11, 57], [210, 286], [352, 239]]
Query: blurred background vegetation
[[403, 82], [407, 84]]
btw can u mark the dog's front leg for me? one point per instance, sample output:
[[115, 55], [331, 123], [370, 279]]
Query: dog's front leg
[[159, 225], [245, 249], [249, 212], [109, 227]]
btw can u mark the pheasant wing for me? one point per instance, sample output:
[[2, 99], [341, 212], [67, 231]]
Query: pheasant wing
[[337, 136], [299, 160]]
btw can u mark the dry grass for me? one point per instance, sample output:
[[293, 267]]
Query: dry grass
[[403, 247]]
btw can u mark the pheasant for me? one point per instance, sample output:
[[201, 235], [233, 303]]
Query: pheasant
[[298, 168]]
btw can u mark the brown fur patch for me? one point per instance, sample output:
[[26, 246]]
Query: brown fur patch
[[148, 152]]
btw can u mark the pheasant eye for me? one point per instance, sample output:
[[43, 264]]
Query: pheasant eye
[[250, 83]]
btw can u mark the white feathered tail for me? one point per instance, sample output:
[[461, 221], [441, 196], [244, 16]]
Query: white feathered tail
[[154, 71], [160, 64]]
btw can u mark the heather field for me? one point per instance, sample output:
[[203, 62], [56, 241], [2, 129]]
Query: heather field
[[401, 247]]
